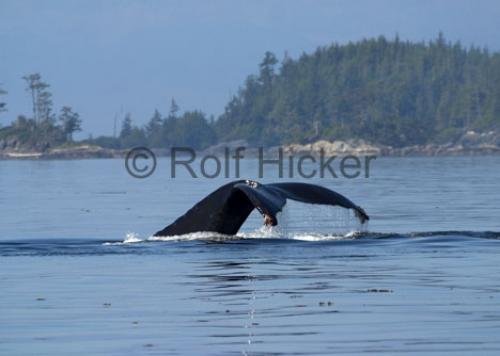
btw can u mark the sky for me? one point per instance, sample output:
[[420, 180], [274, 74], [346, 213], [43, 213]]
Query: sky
[[108, 58]]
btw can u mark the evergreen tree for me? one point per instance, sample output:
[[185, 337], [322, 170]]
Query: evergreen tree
[[70, 122], [174, 108], [126, 129], [154, 130], [192, 130], [41, 98]]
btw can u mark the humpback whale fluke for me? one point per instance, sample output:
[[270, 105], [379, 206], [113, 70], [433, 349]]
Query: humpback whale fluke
[[226, 209]]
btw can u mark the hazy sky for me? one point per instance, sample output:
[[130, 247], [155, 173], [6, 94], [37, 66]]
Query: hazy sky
[[110, 57]]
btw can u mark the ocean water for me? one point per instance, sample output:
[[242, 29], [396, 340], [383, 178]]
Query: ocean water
[[80, 273]]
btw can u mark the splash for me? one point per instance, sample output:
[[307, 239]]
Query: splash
[[132, 237], [303, 218], [264, 232]]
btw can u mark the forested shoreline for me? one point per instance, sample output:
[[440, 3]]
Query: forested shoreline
[[386, 92]]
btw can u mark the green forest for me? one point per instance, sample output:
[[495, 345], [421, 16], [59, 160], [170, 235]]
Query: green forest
[[391, 92], [384, 91]]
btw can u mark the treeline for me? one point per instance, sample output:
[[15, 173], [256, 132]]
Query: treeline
[[191, 129], [385, 91], [44, 128]]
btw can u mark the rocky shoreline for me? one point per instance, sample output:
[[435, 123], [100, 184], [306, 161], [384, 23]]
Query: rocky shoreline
[[470, 144], [76, 152], [473, 145]]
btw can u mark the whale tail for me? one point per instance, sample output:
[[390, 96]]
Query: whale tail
[[226, 209]]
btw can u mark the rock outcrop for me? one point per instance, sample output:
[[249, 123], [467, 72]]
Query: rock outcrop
[[471, 143]]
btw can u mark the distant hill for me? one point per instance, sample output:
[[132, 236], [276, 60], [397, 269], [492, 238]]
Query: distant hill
[[384, 91]]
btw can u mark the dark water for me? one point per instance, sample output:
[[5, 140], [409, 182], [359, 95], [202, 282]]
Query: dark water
[[79, 273]]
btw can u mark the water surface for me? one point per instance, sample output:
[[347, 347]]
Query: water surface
[[80, 274]]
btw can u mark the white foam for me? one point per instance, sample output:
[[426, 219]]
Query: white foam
[[263, 232], [317, 237], [202, 235], [132, 237]]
